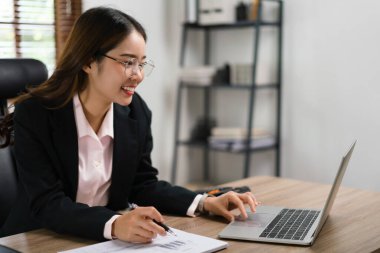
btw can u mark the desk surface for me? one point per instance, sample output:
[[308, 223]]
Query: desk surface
[[349, 227]]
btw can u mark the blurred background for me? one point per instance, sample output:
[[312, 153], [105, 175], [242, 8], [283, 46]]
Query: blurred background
[[330, 69]]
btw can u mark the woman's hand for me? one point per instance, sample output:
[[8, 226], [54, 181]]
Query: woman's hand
[[137, 226], [222, 204]]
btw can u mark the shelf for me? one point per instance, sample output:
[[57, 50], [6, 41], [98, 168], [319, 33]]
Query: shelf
[[233, 147], [200, 144], [228, 86], [240, 24]]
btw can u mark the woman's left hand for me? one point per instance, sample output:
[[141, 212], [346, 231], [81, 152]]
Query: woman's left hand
[[223, 204]]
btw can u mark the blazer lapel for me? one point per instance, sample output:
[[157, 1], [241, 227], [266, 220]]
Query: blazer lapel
[[125, 157], [65, 140]]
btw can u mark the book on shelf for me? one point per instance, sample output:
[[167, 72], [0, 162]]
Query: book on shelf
[[241, 74], [239, 144], [198, 75], [238, 132], [234, 139]]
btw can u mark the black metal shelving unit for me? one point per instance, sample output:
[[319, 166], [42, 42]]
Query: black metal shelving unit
[[247, 152]]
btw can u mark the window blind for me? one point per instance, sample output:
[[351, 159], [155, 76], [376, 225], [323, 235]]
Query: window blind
[[66, 12], [36, 28]]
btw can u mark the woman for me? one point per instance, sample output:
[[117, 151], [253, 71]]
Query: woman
[[83, 143]]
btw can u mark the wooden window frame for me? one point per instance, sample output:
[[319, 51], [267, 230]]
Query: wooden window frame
[[66, 13]]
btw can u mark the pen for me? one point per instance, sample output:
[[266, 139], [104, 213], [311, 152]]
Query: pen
[[167, 229]]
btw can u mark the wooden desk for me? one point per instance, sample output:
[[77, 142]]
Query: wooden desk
[[353, 225]]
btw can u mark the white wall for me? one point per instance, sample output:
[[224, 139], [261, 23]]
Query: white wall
[[330, 93], [331, 90]]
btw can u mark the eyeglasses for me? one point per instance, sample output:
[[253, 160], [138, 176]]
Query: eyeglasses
[[145, 68]]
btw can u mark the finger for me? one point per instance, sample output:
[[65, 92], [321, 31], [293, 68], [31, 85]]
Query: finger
[[145, 220], [254, 198], [247, 198], [232, 197], [139, 239], [219, 205], [226, 214], [142, 232], [151, 213], [153, 227]]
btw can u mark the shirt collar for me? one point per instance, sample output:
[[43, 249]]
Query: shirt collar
[[84, 128]]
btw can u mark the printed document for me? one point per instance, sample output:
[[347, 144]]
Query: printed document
[[183, 242]]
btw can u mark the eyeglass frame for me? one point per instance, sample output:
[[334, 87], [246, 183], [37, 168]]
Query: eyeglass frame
[[140, 65]]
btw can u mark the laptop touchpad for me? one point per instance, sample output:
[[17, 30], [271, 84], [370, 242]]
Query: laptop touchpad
[[257, 220]]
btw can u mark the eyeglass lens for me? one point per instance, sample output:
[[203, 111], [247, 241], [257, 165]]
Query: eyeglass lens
[[145, 68]]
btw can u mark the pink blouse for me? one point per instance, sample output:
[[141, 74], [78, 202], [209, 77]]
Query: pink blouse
[[95, 163]]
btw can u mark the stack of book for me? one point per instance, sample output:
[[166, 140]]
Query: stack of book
[[234, 139], [198, 75], [241, 74]]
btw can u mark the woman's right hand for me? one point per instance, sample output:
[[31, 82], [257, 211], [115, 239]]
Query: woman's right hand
[[137, 226]]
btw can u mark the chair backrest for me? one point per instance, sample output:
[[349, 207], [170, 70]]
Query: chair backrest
[[15, 76], [8, 182]]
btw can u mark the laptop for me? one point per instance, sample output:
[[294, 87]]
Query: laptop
[[286, 225]]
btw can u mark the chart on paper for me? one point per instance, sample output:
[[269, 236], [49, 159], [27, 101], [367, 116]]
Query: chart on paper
[[183, 242]]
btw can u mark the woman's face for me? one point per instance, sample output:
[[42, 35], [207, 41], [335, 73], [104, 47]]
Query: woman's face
[[112, 81]]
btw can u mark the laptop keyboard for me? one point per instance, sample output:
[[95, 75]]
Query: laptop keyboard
[[291, 224]]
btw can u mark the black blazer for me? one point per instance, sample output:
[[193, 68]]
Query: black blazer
[[46, 149]]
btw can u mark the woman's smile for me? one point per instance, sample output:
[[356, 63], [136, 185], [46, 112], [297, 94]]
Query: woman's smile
[[129, 90]]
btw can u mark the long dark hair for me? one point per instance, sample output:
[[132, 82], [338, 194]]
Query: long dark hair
[[97, 31]]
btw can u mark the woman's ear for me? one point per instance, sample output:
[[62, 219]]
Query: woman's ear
[[87, 68]]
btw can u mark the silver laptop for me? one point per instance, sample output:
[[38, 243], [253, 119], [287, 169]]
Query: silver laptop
[[286, 225]]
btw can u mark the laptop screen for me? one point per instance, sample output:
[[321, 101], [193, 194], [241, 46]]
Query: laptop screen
[[335, 188]]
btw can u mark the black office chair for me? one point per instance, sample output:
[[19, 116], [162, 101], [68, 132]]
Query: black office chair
[[15, 76]]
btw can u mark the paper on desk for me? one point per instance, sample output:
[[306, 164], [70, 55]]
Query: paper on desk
[[183, 242]]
